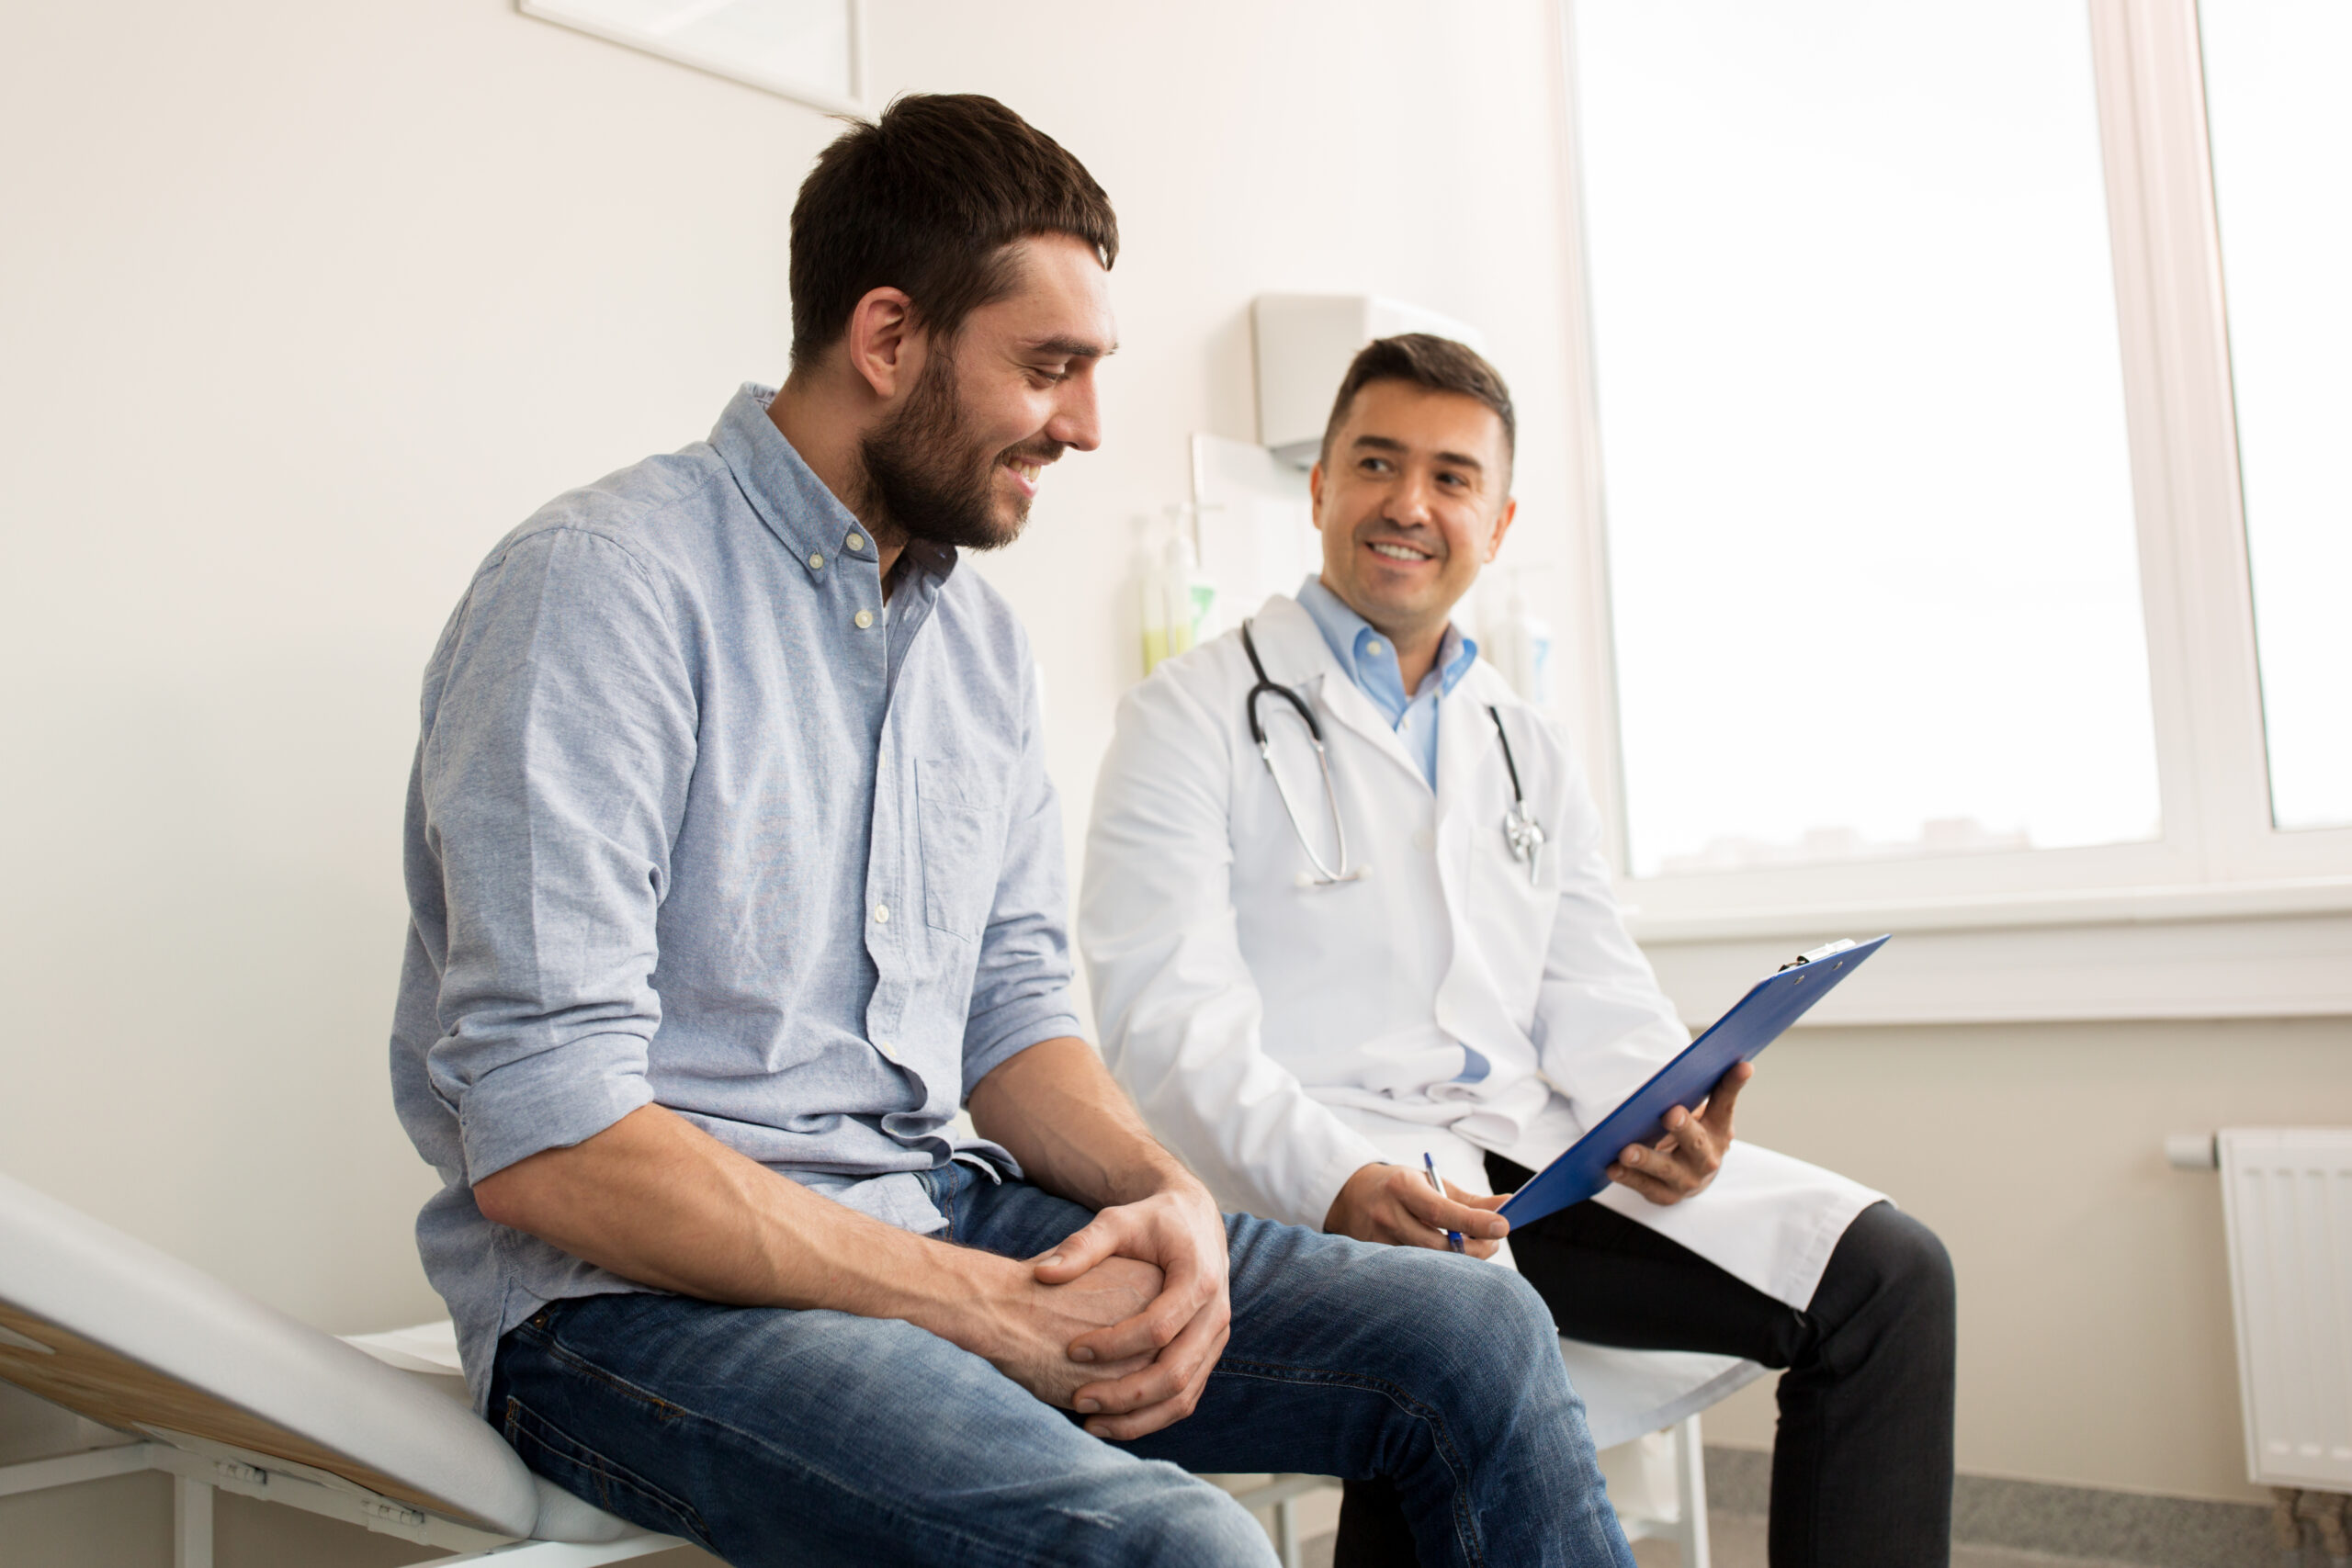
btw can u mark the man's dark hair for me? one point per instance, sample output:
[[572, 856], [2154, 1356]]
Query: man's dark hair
[[1438, 363], [929, 199]]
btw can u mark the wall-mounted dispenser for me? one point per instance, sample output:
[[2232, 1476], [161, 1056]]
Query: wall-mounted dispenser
[[1180, 601], [1304, 344]]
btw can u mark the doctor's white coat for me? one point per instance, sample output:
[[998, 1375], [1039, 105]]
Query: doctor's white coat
[[1279, 1036]]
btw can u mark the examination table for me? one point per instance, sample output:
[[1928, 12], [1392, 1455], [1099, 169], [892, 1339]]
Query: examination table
[[192, 1378], [223, 1392]]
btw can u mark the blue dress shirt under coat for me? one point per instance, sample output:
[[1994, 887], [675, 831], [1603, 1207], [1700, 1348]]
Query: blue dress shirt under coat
[[1370, 661]]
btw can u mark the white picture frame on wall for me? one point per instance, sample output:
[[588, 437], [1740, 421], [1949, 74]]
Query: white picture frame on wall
[[812, 52]]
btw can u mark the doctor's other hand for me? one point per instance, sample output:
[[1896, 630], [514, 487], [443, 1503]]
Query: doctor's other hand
[[1682, 1164], [1395, 1204]]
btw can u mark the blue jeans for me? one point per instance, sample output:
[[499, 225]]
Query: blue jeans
[[771, 1435]]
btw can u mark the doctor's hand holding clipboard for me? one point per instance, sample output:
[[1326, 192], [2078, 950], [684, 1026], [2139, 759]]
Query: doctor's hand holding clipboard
[[1399, 1206], [1686, 1108], [1680, 1165]]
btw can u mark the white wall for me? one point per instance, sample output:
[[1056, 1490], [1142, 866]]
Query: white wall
[[305, 304]]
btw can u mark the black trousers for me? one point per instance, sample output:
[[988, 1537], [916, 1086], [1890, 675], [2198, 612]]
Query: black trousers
[[1861, 1465]]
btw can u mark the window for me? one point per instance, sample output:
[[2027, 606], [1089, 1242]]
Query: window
[[2275, 75], [1861, 419], [1909, 394]]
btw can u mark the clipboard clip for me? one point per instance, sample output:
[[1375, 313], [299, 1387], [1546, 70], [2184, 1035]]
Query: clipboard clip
[[1816, 955]]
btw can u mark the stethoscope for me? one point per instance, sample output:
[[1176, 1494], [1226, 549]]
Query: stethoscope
[[1521, 831]]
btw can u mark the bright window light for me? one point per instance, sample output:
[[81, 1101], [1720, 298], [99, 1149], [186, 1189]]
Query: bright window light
[[1873, 568], [2280, 119]]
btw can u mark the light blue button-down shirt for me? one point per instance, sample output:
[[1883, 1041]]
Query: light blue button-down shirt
[[693, 824], [1370, 659]]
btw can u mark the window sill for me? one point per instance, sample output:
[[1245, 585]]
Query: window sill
[[2072, 907], [2280, 948]]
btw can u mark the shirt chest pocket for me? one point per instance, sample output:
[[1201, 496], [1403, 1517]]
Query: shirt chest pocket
[[960, 825]]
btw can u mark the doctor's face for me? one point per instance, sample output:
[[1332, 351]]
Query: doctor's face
[[1414, 500]]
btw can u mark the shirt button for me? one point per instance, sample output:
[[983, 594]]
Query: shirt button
[[816, 558], [856, 542], [1372, 648], [881, 914], [864, 619], [888, 1050]]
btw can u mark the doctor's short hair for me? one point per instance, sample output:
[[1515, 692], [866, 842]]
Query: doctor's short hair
[[929, 199], [1440, 364]]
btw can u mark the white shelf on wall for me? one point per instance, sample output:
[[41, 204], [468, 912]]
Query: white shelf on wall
[[812, 52]]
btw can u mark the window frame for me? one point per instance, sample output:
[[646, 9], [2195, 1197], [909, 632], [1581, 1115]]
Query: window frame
[[2220, 859]]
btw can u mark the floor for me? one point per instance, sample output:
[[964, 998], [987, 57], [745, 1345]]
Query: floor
[[1739, 1542]]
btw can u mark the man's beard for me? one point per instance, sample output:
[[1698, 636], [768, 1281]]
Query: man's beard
[[927, 478]]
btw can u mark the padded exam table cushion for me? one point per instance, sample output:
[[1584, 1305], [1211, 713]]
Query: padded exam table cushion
[[116, 1330]]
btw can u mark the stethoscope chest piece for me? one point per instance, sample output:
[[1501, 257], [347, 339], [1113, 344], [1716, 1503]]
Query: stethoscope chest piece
[[1526, 837], [1521, 831]]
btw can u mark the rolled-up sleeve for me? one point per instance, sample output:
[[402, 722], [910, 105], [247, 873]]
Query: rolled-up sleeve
[[1021, 989], [558, 748]]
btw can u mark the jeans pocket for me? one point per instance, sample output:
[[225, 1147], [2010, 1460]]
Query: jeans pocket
[[596, 1478], [961, 835]]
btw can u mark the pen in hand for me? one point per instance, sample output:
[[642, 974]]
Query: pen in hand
[[1452, 1238]]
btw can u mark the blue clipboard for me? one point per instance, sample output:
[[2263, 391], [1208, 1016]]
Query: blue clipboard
[[1755, 1022]]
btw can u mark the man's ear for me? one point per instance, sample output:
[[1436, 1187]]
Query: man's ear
[[1315, 494], [1503, 526], [884, 345]]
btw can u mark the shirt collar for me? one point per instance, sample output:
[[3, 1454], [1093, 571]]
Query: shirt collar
[[808, 518], [1352, 640]]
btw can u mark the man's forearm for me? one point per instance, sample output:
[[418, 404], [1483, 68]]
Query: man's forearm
[[656, 1199], [1058, 1110]]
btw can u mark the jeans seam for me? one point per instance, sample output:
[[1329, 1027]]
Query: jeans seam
[[889, 1506], [605, 1469], [557, 1350], [1464, 1526]]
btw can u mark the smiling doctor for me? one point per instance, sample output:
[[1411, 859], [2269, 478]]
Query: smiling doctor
[[1345, 904]]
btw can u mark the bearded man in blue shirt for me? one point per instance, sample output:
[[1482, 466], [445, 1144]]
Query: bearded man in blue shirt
[[734, 870]]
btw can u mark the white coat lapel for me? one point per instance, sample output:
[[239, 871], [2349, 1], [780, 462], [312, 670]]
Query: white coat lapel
[[1473, 773], [1295, 655], [1464, 734]]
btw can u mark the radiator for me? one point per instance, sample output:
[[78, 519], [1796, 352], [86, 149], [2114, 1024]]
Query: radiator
[[2287, 1197]]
